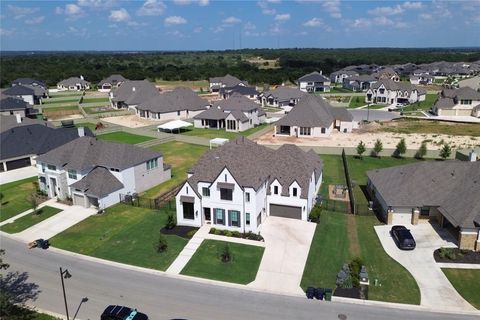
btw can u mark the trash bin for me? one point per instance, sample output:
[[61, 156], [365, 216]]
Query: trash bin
[[328, 294], [320, 293]]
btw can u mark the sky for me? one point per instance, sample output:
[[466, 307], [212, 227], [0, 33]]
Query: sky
[[218, 25]]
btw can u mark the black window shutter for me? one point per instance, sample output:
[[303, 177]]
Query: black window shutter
[[229, 218], [214, 215], [223, 216]]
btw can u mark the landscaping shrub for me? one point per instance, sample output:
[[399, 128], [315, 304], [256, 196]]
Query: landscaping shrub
[[171, 222], [226, 255], [236, 234], [212, 231], [422, 151], [191, 233], [355, 267], [162, 244], [314, 215], [360, 149], [400, 149], [218, 232], [227, 233]]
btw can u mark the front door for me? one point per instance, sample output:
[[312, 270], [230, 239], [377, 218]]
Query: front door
[[208, 216], [53, 187]]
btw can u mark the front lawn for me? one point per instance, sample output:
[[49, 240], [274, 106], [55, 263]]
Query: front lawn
[[124, 234], [92, 100], [332, 172], [426, 104], [30, 219], [328, 251], [15, 197], [222, 133], [467, 284], [242, 269], [124, 137], [434, 127], [357, 101], [181, 156]]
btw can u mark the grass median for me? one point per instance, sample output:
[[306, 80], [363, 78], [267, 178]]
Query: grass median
[[30, 219]]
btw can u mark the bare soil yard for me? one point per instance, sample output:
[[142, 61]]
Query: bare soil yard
[[130, 121]]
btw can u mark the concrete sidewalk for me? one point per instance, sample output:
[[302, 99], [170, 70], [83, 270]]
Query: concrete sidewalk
[[472, 266], [18, 174], [187, 253]]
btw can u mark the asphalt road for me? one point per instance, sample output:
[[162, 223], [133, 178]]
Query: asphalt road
[[163, 297]]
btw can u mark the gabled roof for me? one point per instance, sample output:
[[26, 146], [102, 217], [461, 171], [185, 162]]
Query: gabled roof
[[287, 164], [211, 114], [73, 81], [314, 77], [19, 90], [227, 81], [465, 93], [239, 115], [29, 81], [10, 122], [98, 183], [389, 84], [34, 139], [236, 102], [285, 93], [362, 78], [134, 92], [114, 79], [181, 98], [243, 90], [86, 153], [453, 186], [8, 103], [347, 72]]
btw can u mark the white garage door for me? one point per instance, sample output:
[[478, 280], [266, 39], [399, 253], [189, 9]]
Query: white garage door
[[78, 199], [402, 219]]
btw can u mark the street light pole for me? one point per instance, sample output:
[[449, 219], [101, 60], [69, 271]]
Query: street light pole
[[65, 274]]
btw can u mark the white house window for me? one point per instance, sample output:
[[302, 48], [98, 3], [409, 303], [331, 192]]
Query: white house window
[[323, 130], [226, 194], [151, 164], [219, 216], [51, 167], [234, 218], [305, 131], [294, 191], [178, 113], [247, 197], [465, 101], [206, 192], [72, 174], [275, 189], [247, 219]]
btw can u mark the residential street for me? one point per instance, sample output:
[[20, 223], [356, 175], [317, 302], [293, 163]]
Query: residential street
[[166, 297]]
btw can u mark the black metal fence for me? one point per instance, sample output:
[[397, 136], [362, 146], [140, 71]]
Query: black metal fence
[[335, 206], [165, 201], [351, 195]]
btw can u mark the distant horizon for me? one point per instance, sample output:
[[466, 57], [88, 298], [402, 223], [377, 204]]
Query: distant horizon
[[203, 25]]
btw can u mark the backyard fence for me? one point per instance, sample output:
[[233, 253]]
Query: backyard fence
[[351, 195], [165, 200]]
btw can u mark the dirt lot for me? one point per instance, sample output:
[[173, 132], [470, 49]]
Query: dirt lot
[[130, 121], [370, 133]]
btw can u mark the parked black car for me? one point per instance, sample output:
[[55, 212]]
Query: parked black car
[[403, 238], [122, 313]]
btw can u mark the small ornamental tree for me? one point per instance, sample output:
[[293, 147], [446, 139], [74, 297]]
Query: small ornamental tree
[[361, 149], [446, 151], [171, 223], [162, 244], [33, 201], [422, 151], [401, 148], [226, 255], [377, 148]]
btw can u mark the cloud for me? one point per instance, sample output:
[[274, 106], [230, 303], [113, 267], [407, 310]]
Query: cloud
[[120, 15], [266, 10], [20, 12], [382, 21], [176, 34], [7, 32], [71, 10], [398, 9], [231, 20], [217, 29], [201, 3], [35, 20], [314, 22], [332, 7], [78, 32], [425, 16], [174, 20], [412, 5], [98, 4], [282, 17], [249, 26], [151, 8], [198, 30]]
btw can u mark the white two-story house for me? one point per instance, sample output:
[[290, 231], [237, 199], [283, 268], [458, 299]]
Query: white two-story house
[[458, 102], [94, 173], [389, 92], [228, 81], [314, 82], [239, 184]]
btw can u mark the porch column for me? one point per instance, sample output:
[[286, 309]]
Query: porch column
[[389, 215], [415, 216], [4, 164]]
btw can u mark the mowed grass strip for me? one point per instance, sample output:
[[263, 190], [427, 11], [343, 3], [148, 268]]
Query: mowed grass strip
[[328, 251], [467, 284], [181, 156], [408, 126], [30, 219], [206, 262], [396, 284], [123, 234], [124, 137], [332, 172], [221, 133], [15, 197]]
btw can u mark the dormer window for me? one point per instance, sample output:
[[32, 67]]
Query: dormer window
[[294, 192], [275, 189]]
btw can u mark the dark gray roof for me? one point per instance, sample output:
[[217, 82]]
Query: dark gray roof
[[347, 72], [8, 103], [29, 81], [453, 185], [19, 90], [466, 93], [98, 183], [444, 103], [314, 111], [389, 84], [236, 102], [38, 91], [73, 81], [211, 114], [314, 77], [114, 79], [362, 78], [181, 98], [86, 153], [284, 93], [228, 81], [134, 92], [9, 122], [287, 164], [34, 139], [239, 115], [243, 90]]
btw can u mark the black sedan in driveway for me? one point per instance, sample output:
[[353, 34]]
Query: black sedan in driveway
[[403, 238]]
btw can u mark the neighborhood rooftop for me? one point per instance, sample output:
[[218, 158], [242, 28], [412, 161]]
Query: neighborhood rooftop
[[181, 98]]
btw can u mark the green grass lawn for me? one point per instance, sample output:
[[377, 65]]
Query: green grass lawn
[[124, 234], [15, 197], [29, 220], [328, 251], [332, 172], [178, 83], [124, 137], [62, 107], [181, 156], [60, 101], [357, 101], [243, 268], [427, 104], [397, 284], [467, 284], [434, 127], [88, 125], [214, 133], [92, 100]]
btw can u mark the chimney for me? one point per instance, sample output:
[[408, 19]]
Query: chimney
[[18, 117], [472, 156], [81, 131]]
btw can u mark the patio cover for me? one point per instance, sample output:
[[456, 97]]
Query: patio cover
[[175, 124], [217, 142]]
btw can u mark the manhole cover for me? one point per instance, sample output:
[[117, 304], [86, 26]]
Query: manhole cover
[[342, 317]]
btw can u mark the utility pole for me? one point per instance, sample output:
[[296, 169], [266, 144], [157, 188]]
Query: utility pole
[[65, 274]]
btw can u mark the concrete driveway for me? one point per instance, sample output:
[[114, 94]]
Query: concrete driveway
[[50, 227], [287, 243], [436, 291], [18, 174]]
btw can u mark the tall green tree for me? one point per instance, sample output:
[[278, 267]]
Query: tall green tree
[[361, 149], [377, 148], [401, 148], [422, 151], [446, 151]]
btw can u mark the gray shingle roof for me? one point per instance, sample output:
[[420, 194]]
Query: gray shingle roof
[[362, 78], [444, 103], [347, 72], [453, 185], [181, 98], [236, 102], [34, 139], [284, 93], [72, 81], [134, 92], [466, 93], [86, 153], [211, 114], [243, 90], [227, 81], [19, 90], [314, 77], [389, 84], [9, 122], [287, 164], [114, 79], [12, 103], [239, 115], [29, 81], [98, 183]]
